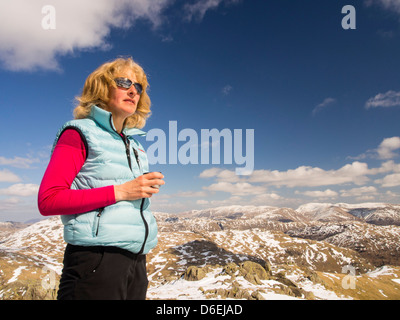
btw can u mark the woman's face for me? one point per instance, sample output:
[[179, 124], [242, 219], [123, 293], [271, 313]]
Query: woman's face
[[123, 102]]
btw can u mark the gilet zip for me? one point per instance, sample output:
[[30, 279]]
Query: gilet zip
[[146, 234], [128, 156], [98, 220]]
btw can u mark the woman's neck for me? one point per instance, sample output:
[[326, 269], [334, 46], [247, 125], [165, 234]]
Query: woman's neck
[[118, 123]]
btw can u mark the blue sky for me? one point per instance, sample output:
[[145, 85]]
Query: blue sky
[[324, 102]]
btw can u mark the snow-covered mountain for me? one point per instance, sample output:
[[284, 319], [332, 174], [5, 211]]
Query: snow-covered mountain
[[373, 213], [10, 227], [236, 252], [248, 212]]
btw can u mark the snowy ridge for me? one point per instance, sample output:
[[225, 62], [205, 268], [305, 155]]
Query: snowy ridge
[[246, 212], [374, 213], [41, 241]]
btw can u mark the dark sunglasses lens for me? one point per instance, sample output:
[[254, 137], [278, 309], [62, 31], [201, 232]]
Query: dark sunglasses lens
[[123, 83], [138, 87]]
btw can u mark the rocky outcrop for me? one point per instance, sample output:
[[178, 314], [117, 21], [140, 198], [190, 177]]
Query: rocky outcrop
[[194, 273], [249, 270], [376, 244], [27, 290], [255, 274], [234, 293]]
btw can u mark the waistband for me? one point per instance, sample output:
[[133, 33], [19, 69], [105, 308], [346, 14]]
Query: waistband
[[100, 249]]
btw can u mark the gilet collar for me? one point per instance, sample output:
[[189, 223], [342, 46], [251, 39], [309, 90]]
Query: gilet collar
[[104, 119]]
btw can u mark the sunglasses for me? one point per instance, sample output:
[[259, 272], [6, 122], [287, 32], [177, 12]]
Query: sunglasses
[[125, 83]]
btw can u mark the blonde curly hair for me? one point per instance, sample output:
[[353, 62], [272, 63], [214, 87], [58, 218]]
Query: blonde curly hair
[[96, 91]]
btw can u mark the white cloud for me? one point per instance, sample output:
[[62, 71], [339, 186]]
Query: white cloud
[[80, 25], [328, 193], [233, 200], [266, 197], [392, 5], [26, 45], [357, 192], [202, 202], [21, 190], [391, 180], [240, 188], [227, 90], [391, 195], [323, 105], [384, 150], [191, 194], [256, 185], [387, 146], [220, 175], [306, 176], [387, 166], [388, 99], [210, 173], [8, 176], [198, 9], [18, 162], [10, 201]]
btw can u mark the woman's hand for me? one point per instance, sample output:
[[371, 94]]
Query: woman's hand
[[139, 188]]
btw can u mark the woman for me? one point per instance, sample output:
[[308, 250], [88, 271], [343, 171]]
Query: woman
[[95, 180]]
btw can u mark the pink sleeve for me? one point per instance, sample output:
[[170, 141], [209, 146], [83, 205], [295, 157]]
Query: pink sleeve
[[55, 196]]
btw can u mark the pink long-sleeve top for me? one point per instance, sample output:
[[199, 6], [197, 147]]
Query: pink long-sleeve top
[[55, 194]]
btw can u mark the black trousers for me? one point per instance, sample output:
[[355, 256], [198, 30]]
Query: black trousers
[[102, 273]]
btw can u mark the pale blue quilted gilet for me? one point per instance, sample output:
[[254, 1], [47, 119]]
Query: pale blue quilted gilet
[[128, 225]]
